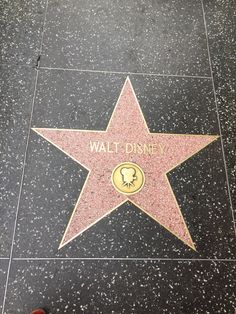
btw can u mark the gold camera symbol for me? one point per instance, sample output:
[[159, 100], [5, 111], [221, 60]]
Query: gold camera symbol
[[128, 176]]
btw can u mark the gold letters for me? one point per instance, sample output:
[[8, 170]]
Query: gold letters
[[127, 148], [105, 147]]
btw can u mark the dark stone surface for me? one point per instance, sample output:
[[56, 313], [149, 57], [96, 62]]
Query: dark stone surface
[[17, 87], [21, 29], [221, 29], [122, 287], [221, 26], [3, 274], [137, 36]]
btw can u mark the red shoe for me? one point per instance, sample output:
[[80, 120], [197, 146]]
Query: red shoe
[[38, 311]]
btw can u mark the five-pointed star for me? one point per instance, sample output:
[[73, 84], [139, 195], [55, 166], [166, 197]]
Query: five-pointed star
[[98, 197]]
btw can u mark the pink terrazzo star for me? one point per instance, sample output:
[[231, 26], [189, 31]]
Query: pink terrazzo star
[[99, 197]]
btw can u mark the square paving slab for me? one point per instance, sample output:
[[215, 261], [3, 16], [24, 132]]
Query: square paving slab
[[221, 33], [17, 88], [144, 36], [199, 184], [122, 287]]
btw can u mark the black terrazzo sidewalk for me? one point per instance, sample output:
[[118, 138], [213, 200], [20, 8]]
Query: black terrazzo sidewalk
[[63, 64]]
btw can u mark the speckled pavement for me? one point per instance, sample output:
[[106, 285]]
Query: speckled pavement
[[63, 66]]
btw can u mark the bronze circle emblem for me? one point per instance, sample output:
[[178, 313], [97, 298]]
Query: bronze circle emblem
[[128, 178]]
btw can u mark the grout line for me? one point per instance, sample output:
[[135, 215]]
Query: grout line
[[124, 73], [119, 259], [105, 71], [23, 170], [4, 258], [218, 117]]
